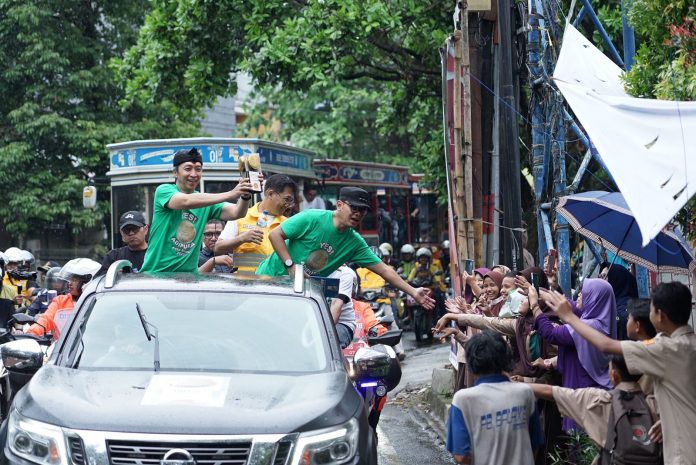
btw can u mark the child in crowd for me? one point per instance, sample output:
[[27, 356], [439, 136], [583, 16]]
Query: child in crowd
[[590, 407], [670, 357], [495, 421]]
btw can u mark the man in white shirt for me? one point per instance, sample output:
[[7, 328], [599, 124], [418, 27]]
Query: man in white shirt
[[311, 200]]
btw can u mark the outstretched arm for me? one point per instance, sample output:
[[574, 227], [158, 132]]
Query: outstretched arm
[[560, 305], [421, 294], [542, 391]]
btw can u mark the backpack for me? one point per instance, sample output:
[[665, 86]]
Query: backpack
[[627, 433]]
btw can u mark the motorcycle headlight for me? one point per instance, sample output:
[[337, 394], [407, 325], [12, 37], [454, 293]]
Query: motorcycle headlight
[[35, 441], [327, 447]]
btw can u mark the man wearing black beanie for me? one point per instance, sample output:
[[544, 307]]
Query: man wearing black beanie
[[180, 215]]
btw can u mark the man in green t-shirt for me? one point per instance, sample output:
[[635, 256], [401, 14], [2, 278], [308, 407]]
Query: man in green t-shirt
[[180, 215], [324, 240]]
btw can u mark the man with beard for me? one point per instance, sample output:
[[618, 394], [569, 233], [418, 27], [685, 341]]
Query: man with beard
[[323, 240]]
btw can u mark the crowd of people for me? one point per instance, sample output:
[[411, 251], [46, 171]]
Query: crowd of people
[[533, 365], [608, 365]]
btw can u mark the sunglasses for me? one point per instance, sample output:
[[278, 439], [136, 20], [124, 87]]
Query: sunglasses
[[130, 230], [212, 234], [287, 199], [357, 209]]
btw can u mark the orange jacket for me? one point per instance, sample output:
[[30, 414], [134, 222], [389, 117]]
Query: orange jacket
[[365, 316], [55, 317]]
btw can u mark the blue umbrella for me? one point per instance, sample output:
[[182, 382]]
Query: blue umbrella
[[605, 218]]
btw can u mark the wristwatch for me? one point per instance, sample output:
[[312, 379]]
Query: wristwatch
[[288, 263]]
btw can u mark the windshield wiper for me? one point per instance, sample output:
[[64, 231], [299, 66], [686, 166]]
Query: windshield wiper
[[146, 327]]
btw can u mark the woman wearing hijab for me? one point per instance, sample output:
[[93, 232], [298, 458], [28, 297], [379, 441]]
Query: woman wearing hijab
[[518, 329], [580, 364], [490, 302], [474, 283], [625, 288]]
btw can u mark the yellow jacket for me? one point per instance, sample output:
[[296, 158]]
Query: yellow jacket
[[436, 277], [247, 256], [370, 279]]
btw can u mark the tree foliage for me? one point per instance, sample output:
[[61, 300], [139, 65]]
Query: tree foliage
[[373, 67], [60, 107], [664, 63]]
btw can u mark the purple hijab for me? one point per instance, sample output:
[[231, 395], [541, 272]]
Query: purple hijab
[[598, 312], [468, 293]]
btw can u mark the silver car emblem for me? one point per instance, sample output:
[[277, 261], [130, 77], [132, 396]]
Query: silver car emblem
[[178, 457]]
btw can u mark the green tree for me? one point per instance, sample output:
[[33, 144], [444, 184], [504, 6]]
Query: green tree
[[372, 66], [664, 63], [60, 107]]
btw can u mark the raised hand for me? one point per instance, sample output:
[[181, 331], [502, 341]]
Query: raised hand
[[423, 298], [242, 188], [446, 332], [442, 323], [558, 303], [452, 307]]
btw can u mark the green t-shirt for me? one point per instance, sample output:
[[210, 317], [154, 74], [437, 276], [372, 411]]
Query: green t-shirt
[[313, 239], [176, 235]]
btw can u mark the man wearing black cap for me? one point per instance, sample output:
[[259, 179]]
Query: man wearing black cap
[[181, 213], [133, 227], [324, 240]]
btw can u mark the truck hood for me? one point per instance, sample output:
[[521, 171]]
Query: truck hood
[[188, 403]]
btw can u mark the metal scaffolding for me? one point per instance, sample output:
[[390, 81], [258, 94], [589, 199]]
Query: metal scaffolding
[[551, 122]]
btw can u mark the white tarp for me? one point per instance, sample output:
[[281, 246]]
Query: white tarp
[[649, 146]]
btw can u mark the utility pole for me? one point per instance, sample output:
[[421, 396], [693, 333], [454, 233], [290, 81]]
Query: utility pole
[[463, 185], [509, 146]]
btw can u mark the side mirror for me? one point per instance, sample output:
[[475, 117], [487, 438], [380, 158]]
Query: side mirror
[[23, 355], [390, 338], [371, 364]]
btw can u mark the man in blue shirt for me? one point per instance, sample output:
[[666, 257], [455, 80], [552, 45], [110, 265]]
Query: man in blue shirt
[[494, 422]]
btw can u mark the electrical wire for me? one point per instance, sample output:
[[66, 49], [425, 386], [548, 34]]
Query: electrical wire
[[547, 135]]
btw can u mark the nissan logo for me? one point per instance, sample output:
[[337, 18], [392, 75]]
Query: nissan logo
[[178, 457]]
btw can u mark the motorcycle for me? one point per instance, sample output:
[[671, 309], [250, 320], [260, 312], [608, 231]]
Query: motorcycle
[[11, 381], [360, 356]]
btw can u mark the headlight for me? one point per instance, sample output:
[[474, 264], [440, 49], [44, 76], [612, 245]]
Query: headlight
[[36, 441], [327, 447]]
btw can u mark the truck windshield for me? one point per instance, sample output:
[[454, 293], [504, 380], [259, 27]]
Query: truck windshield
[[205, 332]]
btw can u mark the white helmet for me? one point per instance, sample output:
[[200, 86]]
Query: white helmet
[[3, 262], [386, 248], [14, 255], [407, 248], [27, 257], [85, 268], [445, 245], [424, 251]]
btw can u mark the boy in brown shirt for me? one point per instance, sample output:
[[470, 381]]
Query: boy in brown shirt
[[591, 407], [670, 358]]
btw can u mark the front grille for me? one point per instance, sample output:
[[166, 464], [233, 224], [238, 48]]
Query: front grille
[[282, 453], [77, 451], [151, 453]]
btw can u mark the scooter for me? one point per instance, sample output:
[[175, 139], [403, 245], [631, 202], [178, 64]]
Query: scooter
[[361, 355]]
